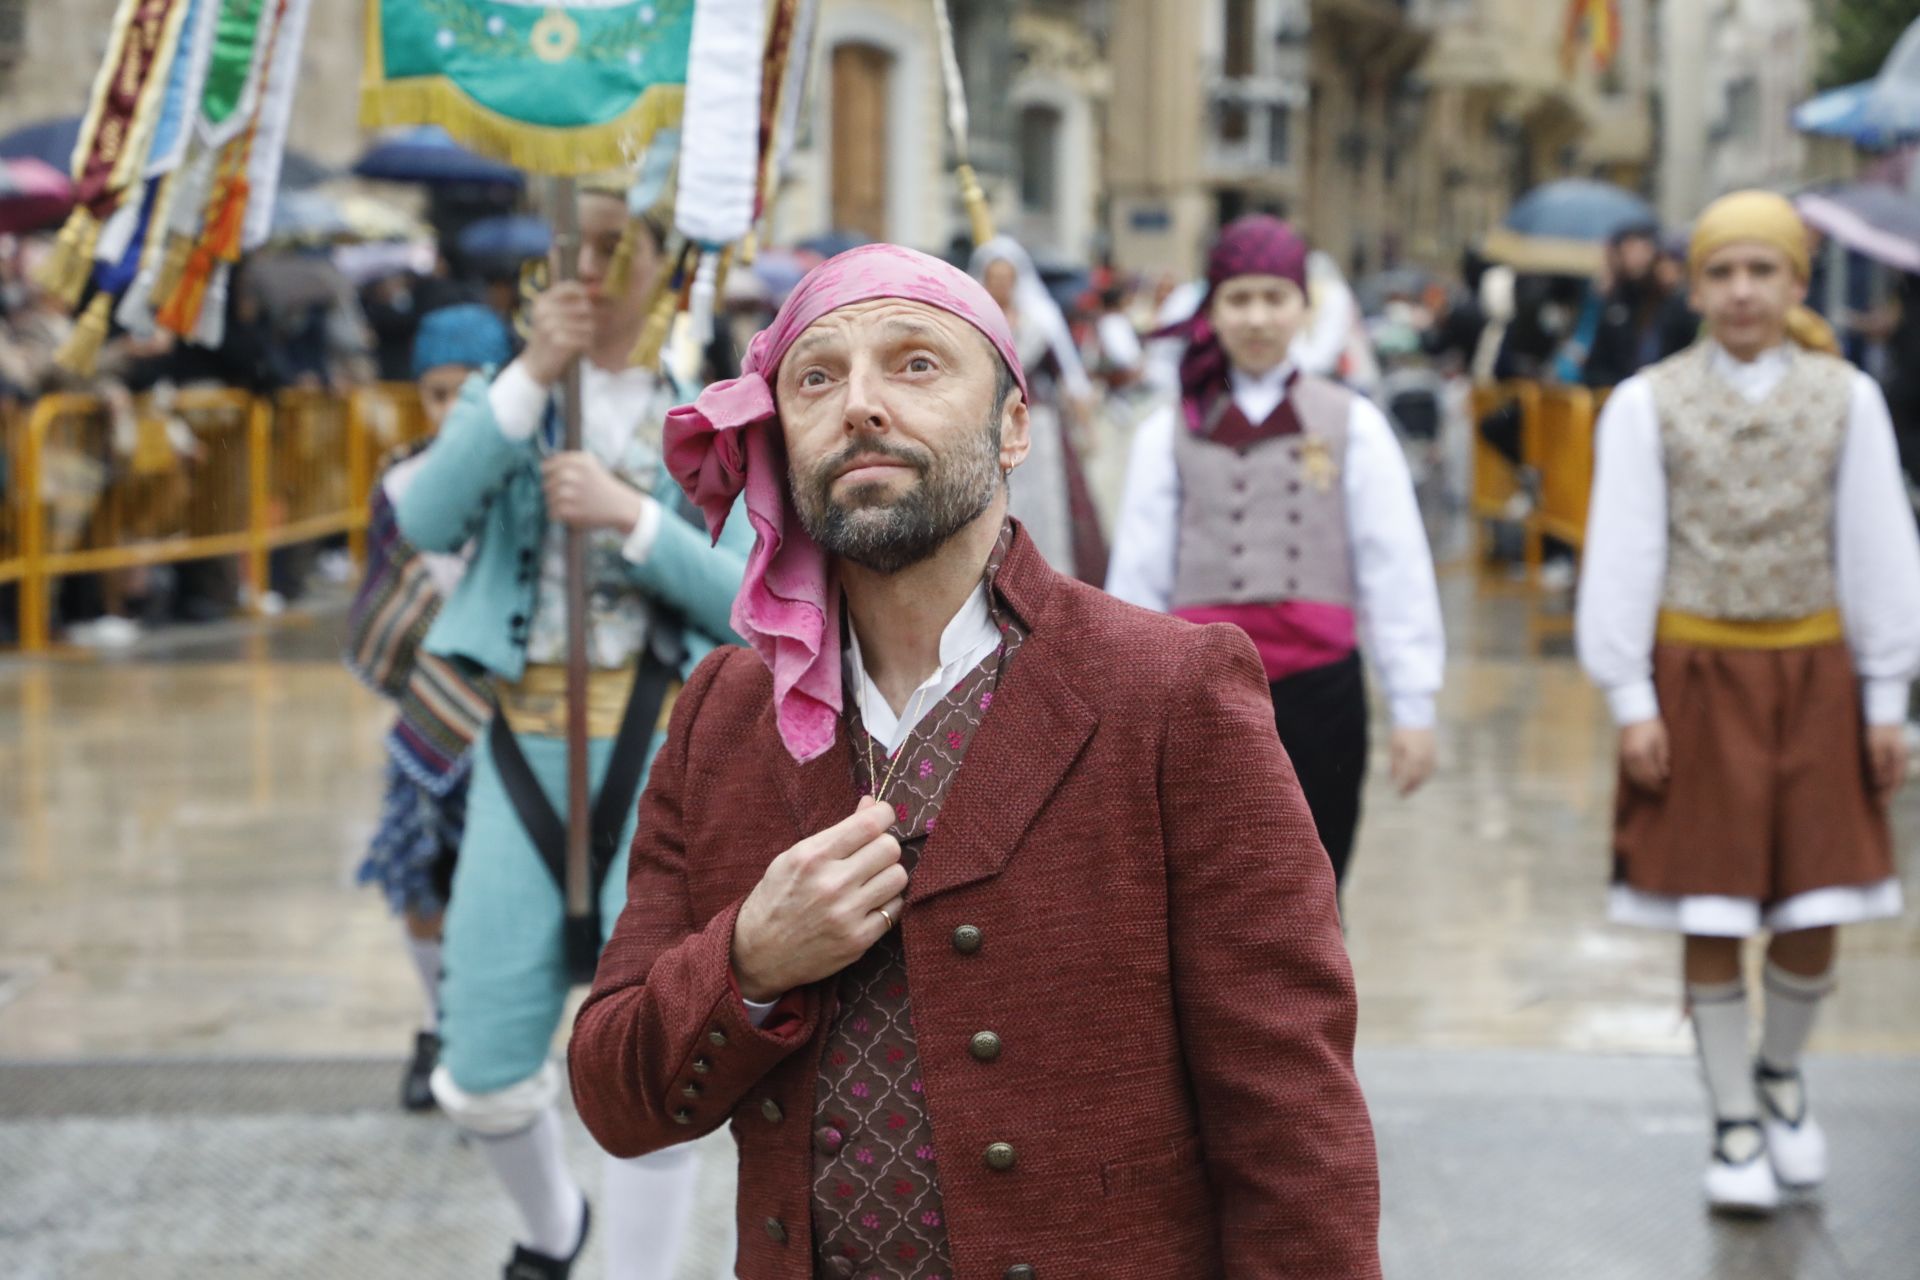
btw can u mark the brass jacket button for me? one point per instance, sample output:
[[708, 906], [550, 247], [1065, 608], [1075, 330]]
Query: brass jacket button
[[701, 1066], [717, 1036], [683, 1116], [776, 1230], [771, 1110], [985, 1046], [691, 1089], [1000, 1157], [1021, 1271], [967, 939]]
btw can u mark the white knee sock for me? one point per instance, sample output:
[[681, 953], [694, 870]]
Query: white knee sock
[[1720, 1030], [426, 962], [645, 1208], [1793, 1000], [532, 1165]]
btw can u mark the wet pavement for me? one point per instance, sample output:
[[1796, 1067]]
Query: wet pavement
[[201, 1017]]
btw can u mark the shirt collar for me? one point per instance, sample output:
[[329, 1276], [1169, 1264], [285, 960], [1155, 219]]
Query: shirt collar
[[1258, 395], [968, 637], [1756, 377]]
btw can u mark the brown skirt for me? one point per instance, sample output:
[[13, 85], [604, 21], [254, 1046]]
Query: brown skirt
[[1770, 794]]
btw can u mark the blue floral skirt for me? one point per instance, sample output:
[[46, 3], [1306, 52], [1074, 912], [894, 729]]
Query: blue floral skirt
[[414, 848]]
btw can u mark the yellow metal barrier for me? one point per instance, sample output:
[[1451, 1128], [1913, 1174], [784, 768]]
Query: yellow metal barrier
[[12, 444], [205, 474]]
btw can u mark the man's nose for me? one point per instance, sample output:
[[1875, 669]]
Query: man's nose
[[866, 397]]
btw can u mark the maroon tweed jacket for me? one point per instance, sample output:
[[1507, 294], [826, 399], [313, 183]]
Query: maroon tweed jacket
[[1125, 886]]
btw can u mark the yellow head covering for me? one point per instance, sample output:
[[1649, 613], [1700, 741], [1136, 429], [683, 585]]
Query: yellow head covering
[[1761, 217]]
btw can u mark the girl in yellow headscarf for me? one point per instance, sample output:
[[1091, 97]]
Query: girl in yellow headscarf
[[1750, 602]]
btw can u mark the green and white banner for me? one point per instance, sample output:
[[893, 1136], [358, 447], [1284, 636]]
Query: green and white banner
[[572, 87]]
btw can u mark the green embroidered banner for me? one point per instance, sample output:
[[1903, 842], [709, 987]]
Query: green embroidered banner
[[562, 88]]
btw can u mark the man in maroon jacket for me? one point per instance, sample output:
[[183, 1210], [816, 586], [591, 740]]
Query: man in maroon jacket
[[1002, 939]]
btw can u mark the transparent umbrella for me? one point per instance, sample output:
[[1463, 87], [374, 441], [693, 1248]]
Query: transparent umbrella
[[1893, 103]]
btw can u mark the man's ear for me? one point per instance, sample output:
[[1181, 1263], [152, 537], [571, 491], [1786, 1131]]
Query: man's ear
[[1016, 432]]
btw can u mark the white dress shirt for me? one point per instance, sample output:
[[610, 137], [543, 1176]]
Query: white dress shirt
[[1399, 602], [1623, 570]]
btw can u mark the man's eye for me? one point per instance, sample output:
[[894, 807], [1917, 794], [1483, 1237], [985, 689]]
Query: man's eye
[[813, 378], [920, 364]]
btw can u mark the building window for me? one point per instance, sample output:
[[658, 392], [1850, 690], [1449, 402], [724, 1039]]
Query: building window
[[1240, 38], [1039, 158], [13, 31], [1743, 110], [1280, 135]]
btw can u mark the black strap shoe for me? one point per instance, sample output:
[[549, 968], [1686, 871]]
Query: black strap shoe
[[416, 1087], [528, 1265]]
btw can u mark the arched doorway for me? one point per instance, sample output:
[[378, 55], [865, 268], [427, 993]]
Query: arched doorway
[[862, 88]]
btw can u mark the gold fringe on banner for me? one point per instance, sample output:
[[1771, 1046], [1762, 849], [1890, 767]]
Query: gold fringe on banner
[[172, 267], [80, 353], [979, 214], [646, 352], [64, 275], [535, 148]]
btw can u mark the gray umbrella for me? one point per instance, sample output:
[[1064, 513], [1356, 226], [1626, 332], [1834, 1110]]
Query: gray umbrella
[[1879, 222]]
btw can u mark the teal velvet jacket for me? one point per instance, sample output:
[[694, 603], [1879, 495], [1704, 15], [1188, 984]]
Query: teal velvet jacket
[[476, 484]]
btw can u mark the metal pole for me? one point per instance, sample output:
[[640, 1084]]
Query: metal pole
[[565, 215]]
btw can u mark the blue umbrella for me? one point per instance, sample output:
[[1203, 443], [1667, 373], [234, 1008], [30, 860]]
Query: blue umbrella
[[1842, 113], [518, 236], [1558, 228], [429, 154], [1893, 98]]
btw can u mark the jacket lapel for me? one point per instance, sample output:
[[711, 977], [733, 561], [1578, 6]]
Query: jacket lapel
[[1022, 750]]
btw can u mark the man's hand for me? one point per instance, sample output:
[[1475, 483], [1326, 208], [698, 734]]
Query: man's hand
[[1887, 756], [581, 492], [562, 331], [1645, 755], [1410, 759], [817, 909]]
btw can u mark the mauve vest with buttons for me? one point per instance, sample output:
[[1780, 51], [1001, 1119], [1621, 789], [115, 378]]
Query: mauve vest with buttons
[[1265, 522], [1750, 486]]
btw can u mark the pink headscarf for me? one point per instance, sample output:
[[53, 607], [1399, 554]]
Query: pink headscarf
[[730, 439]]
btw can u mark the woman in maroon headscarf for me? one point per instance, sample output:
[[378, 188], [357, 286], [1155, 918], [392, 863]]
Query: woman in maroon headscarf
[[1281, 502]]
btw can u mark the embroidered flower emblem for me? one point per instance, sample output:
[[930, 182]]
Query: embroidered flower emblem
[[918, 1086], [930, 826], [864, 1156], [870, 1221], [844, 1191], [908, 1253], [926, 768], [955, 740], [986, 700], [838, 1059], [897, 990], [860, 1090], [901, 1187], [896, 1122], [861, 1025], [925, 1152], [896, 1054], [930, 1219], [900, 811]]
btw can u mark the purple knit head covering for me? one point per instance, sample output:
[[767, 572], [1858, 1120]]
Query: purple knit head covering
[[1256, 245]]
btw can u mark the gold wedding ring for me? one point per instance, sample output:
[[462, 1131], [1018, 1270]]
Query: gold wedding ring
[[887, 916]]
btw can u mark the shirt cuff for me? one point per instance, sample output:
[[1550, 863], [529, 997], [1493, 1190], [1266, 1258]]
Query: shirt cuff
[[517, 401], [758, 1013], [1411, 710], [1633, 703], [639, 543], [1886, 701]]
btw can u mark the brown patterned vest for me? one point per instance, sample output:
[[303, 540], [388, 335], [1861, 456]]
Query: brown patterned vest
[[1263, 515], [1750, 486], [876, 1190]]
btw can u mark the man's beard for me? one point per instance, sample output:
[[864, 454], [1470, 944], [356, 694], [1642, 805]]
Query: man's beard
[[887, 536]]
